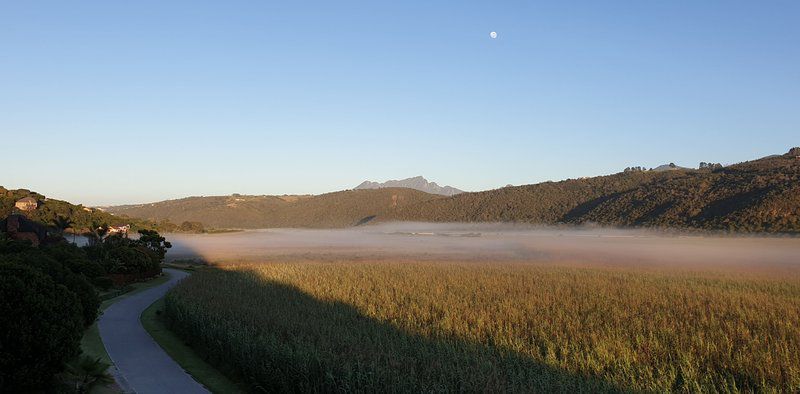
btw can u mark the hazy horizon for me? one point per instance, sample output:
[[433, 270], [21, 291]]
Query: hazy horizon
[[498, 242], [650, 240], [350, 187]]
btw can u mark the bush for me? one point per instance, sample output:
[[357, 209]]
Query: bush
[[75, 259], [48, 295], [89, 302], [118, 255], [191, 227], [131, 260], [103, 282], [40, 329]]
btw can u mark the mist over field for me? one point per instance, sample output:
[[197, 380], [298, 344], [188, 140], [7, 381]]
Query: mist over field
[[402, 197], [510, 307], [491, 242]]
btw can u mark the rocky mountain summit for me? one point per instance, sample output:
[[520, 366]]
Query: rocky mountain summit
[[416, 183]]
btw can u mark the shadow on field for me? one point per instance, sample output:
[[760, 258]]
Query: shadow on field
[[279, 338]]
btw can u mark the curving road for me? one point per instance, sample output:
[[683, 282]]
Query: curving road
[[141, 365]]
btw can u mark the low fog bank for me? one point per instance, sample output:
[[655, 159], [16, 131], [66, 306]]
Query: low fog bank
[[490, 242]]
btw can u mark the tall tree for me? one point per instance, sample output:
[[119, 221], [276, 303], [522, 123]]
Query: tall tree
[[97, 232]]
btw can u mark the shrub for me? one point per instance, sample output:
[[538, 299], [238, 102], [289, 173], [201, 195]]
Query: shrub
[[118, 255], [88, 299], [75, 259], [40, 328], [130, 260], [103, 282]]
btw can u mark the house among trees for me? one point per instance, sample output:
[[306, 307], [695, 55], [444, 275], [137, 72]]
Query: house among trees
[[20, 228], [27, 204], [119, 229]]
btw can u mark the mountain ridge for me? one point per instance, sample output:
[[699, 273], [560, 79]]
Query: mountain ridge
[[416, 183], [761, 195], [330, 210]]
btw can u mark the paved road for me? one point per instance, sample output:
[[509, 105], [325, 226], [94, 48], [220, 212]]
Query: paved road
[[141, 365]]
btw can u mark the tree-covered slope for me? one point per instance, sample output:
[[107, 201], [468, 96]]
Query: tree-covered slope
[[80, 218], [755, 196], [234, 211], [331, 210], [49, 209]]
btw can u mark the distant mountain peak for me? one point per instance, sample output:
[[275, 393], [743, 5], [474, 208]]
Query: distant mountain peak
[[669, 167], [417, 183]]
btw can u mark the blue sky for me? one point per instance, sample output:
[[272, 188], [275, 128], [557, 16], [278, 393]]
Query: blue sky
[[115, 102]]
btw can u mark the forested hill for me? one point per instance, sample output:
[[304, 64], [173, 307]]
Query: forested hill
[[331, 210], [755, 196], [80, 218], [49, 209]]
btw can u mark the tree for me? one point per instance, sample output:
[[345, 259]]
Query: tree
[[61, 223], [130, 259], [75, 259], [87, 298], [97, 232], [191, 227], [40, 328], [155, 243]]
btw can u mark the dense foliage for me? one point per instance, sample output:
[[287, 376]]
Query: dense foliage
[[40, 329], [451, 327], [79, 219], [121, 255], [48, 296], [64, 264]]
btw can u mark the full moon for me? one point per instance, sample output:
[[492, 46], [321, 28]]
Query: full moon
[[493, 34]]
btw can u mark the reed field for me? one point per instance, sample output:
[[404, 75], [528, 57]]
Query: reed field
[[499, 327]]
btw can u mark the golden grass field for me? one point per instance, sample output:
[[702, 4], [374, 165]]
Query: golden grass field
[[494, 326]]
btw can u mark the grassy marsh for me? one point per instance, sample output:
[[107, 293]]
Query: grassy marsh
[[452, 326]]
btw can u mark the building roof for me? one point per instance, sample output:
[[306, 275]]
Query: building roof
[[27, 199]]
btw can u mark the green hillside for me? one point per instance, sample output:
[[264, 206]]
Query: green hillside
[[82, 218], [760, 195], [757, 196], [331, 210], [49, 209]]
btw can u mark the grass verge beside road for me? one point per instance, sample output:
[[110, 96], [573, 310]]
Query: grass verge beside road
[[185, 356], [91, 343]]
